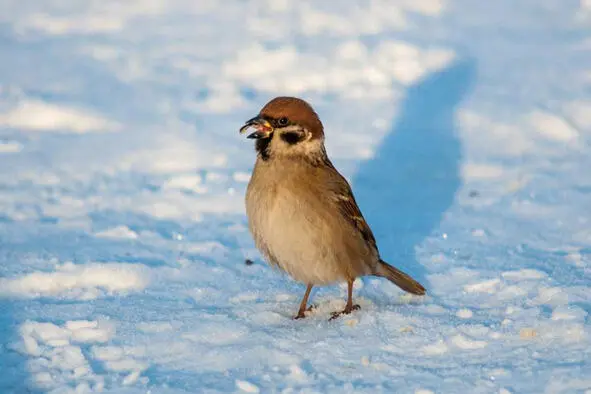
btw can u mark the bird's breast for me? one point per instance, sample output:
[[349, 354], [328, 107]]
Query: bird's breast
[[296, 230]]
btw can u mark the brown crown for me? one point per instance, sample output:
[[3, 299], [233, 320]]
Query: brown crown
[[297, 111]]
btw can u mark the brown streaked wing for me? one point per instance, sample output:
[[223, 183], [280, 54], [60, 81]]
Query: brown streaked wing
[[345, 200]]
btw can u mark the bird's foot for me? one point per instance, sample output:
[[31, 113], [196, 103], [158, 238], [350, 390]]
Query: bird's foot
[[348, 309], [302, 313]]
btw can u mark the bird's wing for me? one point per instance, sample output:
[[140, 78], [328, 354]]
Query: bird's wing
[[345, 201]]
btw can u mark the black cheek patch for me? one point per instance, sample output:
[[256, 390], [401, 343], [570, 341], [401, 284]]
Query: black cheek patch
[[292, 138]]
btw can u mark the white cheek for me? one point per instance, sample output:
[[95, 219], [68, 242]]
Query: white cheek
[[308, 147]]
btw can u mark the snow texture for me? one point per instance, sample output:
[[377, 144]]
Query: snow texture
[[464, 127]]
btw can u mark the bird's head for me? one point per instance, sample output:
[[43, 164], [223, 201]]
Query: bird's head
[[286, 126]]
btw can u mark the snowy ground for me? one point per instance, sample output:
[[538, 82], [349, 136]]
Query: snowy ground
[[464, 126]]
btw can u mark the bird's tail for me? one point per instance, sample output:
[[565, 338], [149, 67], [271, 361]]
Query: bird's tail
[[399, 278]]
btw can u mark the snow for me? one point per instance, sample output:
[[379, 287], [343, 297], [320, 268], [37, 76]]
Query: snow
[[553, 127], [77, 282], [462, 342], [39, 116], [464, 128], [464, 313], [246, 386], [10, 147]]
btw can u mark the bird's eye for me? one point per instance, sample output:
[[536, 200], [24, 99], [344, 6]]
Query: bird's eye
[[283, 121]]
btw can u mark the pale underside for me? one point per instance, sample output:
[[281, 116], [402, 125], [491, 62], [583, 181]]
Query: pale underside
[[296, 224]]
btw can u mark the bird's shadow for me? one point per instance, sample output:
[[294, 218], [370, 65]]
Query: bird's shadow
[[412, 180]]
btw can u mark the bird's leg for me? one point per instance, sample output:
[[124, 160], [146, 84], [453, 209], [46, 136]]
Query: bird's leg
[[302, 311], [350, 307]]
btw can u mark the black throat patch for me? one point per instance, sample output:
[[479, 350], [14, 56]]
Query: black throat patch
[[262, 147]]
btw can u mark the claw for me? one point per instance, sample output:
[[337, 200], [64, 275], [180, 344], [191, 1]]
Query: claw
[[345, 311], [302, 314]]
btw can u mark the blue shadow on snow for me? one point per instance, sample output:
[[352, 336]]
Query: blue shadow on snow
[[405, 189]]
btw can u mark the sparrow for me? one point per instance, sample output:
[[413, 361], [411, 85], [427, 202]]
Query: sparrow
[[301, 210]]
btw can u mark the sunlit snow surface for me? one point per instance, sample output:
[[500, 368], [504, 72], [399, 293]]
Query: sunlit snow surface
[[464, 126]]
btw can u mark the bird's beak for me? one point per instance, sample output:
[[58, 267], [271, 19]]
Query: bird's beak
[[261, 125]]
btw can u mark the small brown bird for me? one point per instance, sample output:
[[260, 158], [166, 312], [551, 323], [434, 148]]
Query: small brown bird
[[301, 210]]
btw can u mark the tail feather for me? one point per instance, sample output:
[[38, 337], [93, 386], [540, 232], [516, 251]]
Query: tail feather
[[399, 278]]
